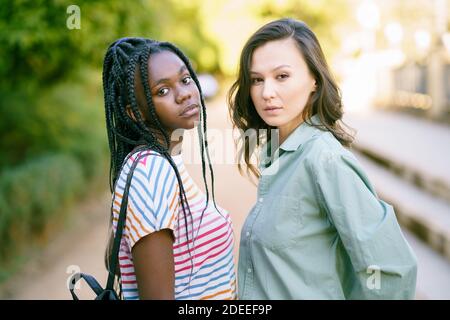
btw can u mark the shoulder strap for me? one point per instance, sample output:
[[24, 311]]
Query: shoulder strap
[[90, 281], [120, 224]]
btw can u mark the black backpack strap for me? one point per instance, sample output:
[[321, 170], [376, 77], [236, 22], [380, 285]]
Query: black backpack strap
[[121, 223], [90, 281]]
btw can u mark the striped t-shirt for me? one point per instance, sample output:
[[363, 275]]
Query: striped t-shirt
[[208, 272]]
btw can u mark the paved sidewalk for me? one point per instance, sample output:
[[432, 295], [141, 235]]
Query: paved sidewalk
[[433, 271], [79, 247]]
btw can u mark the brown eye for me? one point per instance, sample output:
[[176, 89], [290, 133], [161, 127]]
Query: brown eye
[[187, 80], [256, 80], [162, 92], [283, 76]]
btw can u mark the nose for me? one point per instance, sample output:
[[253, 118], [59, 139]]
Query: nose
[[183, 94], [268, 91]]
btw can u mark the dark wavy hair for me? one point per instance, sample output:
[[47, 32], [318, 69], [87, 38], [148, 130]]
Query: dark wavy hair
[[125, 67], [326, 101]]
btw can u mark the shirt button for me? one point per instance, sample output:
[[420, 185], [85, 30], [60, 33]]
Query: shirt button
[[247, 234], [249, 270], [261, 199]]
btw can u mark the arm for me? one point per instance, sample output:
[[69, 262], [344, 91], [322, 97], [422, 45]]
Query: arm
[[154, 266], [150, 224], [368, 229]]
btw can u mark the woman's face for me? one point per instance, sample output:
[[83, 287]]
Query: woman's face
[[174, 93], [281, 84]]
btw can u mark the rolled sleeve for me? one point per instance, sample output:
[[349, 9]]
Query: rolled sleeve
[[384, 263]]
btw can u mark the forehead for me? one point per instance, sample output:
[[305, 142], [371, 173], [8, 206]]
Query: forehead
[[164, 65], [277, 52]]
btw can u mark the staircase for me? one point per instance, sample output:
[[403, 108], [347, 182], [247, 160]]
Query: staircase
[[408, 161]]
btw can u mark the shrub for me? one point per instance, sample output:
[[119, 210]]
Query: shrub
[[30, 196]]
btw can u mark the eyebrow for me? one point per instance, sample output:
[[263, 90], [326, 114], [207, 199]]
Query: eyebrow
[[182, 69], [276, 68]]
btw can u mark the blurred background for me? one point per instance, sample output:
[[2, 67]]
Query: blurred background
[[390, 57]]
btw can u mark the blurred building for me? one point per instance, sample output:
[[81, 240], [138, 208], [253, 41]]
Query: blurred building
[[397, 56], [420, 80]]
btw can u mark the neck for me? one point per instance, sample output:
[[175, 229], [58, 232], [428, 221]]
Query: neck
[[176, 141], [176, 147], [286, 130]]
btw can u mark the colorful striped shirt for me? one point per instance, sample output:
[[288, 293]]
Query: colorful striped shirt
[[208, 270]]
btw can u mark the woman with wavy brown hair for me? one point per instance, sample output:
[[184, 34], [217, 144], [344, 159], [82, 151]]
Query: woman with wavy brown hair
[[318, 229]]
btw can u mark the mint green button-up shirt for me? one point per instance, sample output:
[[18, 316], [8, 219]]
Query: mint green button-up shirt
[[318, 229]]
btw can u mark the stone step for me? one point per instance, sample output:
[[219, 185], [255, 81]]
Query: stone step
[[414, 149], [426, 216]]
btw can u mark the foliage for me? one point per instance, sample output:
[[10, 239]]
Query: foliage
[[30, 195]]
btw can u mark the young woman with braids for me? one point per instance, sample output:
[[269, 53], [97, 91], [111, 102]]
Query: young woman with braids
[[177, 244], [318, 230]]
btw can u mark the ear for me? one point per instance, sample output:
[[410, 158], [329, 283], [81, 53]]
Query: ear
[[130, 112], [314, 86]]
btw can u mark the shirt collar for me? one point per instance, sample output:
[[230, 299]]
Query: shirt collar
[[301, 134]]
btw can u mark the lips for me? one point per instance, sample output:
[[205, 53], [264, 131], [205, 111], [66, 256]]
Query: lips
[[190, 110], [270, 108]]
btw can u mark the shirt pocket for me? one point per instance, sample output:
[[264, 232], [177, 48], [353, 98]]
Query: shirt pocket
[[280, 223]]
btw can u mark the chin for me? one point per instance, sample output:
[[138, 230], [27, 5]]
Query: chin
[[191, 125], [273, 122], [194, 124]]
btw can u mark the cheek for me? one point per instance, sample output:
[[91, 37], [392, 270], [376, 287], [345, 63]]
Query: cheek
[[194, 91], [297, 96], [159, 106], [254, 94], [163, 111]]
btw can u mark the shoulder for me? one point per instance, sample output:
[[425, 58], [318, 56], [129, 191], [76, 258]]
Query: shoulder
[[151, 167], [325, 151], [330, 163], [147, 160]]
